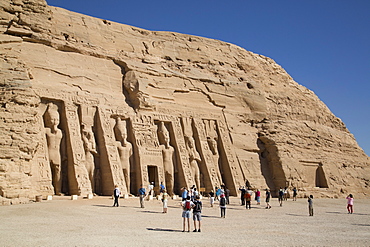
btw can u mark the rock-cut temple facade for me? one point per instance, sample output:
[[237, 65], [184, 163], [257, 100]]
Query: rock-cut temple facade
[[87, 104]]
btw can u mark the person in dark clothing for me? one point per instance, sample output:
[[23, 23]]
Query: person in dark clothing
[[116, 194], [243, 191], [227, 195]]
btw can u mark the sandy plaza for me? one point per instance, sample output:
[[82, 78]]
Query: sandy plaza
[[94, 222]]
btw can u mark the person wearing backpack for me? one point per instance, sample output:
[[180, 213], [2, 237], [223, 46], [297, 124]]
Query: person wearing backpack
[[186, 206], [223, 206], [197, 210]]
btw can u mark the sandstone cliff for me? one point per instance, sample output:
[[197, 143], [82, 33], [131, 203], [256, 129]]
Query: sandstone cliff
[[124, 99]]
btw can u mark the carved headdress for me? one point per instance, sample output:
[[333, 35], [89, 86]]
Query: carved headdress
[[51, 113], [163, 132], [120, 128]]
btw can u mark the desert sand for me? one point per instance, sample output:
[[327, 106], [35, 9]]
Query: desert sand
[[94, 222]]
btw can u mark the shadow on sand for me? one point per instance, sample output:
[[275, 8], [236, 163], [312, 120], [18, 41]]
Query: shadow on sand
[[162, 230], [151, 212]]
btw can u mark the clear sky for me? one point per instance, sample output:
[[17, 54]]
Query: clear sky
[[323, 45]]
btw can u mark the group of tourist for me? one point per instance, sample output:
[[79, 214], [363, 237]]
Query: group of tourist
[[191, 201]]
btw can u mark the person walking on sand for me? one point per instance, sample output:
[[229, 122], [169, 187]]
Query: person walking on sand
[[116, 194], [197, 210], [186, 207], [310, 205], [223, 205], [268, 196], [142, 194], [165, 200], [350, 203]]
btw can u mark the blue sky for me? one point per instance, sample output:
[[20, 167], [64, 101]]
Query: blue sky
[[323, 45]]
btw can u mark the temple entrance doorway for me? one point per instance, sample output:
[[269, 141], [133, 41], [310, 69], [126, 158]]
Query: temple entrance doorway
[[153, 177]]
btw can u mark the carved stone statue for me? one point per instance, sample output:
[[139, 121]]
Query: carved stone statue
[[54, 137], [168, 156], [212, 140], [194, 158], [124, 149], [90, 151]]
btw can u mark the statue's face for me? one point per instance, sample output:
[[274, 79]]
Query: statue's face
[[191, 142], [166, 139], [54, 119], [123, 135]]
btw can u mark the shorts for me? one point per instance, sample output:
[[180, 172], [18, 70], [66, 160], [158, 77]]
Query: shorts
[[197, 216], [186, 214]]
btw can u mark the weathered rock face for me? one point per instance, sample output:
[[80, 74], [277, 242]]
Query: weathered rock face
[[87, 104]]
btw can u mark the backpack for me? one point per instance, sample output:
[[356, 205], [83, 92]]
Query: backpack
[[187, 205], [198, 206], [222, 201]]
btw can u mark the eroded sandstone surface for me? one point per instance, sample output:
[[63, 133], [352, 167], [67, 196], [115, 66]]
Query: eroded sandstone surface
[[87, 104]]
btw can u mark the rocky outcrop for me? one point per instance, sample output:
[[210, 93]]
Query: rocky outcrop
[[87, 104]]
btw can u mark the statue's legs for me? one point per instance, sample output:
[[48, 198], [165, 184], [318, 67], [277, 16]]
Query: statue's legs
[[126, 173], [57, 178]]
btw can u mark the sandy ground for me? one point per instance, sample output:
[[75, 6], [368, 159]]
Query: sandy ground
[[94, 222]]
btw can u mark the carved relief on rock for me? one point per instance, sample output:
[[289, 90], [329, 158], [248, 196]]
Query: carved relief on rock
[[193, 154], [54, 137], [124, 149], [92, 157], [168, 157]]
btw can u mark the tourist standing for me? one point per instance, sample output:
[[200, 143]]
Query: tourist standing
[[248, 199], [310, 205], [142, 194], [211, 197], [350, 203], [186, 206], [218, 193], [184, 194], [162, 187], [165, 200], [150, 191], [195, 194], [227, 195], [281, 196], [242, 194], [223, 205], [197, 210], [295, 194], [285, 193], [268, 196], [258, 196], [116, 194]]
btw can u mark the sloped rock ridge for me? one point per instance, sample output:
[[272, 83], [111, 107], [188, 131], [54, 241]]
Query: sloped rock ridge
[[87, 104]]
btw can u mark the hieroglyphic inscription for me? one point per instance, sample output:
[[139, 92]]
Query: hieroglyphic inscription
[[77, 169], [210, 167], [236, 174], [41, 173], [184, 158], [110, 168]]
